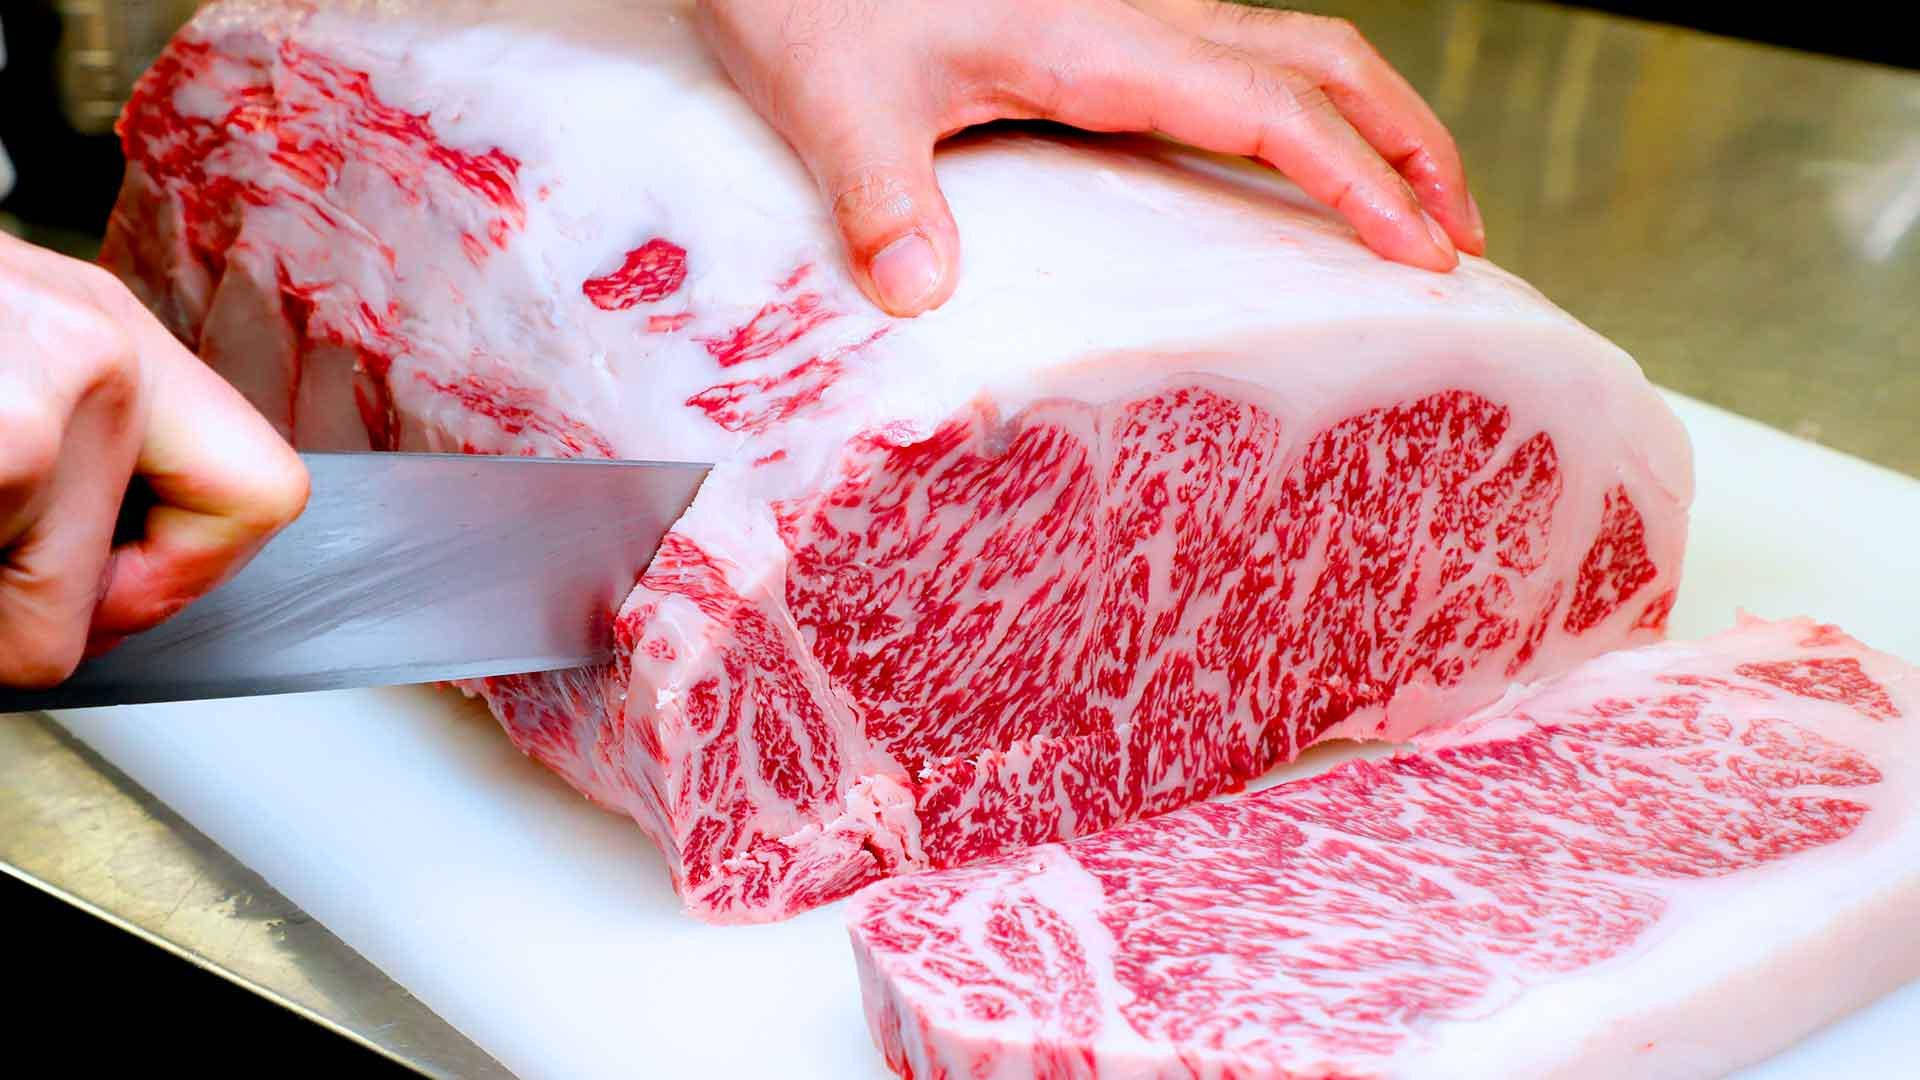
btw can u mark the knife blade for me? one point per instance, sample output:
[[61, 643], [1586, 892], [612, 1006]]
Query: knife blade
[[408, 568]]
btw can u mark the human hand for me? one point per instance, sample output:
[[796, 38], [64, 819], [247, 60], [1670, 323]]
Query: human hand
[[94, 392], [863, 89]]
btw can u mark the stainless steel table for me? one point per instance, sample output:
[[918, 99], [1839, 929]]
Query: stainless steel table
[[1740, 218]]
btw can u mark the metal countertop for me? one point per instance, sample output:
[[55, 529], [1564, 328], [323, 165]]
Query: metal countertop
[[1742, 219]]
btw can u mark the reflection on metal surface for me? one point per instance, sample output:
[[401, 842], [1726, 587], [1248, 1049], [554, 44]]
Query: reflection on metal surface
[[1460, 49], [1741, 219], [73, 824], [104, 46], [1559, 177], [1878, 204]]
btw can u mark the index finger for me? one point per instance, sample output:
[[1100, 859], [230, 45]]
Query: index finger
[[222, 482], [1146, 75], [1373, 96]]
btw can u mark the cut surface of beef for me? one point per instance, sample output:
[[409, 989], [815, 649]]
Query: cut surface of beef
[[1181, 481], [1669, 862]]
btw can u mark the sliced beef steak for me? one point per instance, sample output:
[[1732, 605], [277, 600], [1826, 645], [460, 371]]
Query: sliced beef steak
[[1669, 862], [1182, 480]]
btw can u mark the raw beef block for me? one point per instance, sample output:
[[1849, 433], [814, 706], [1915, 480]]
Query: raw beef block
[[1669, 862], [1182, 480]]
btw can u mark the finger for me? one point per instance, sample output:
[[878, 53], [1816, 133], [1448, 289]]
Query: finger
[[876, 174], [873, 161], [56, 351], [51, 579], [1148, 76], [222, 483], [1374, 97], [32, 427]]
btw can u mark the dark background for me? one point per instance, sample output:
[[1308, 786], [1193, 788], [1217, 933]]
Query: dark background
[[1858, 31], [65, 180], [87, 999], [97, 1000]]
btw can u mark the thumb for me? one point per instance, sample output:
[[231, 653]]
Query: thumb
[[901, 243]]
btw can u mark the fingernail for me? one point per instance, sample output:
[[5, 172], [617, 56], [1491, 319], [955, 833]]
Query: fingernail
[[906, 272], [1475, 221], [1440, 238]]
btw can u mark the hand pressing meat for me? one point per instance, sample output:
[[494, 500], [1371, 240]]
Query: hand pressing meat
[[864, 88], [94, 393]]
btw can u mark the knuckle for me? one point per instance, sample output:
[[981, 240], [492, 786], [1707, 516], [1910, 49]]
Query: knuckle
[[278, 498], [1346, 69], [872, 198], [1343, 54], [1294, 95], [1439, 156], [1346, 199], [1309, 98], [30, 439], [98, 281], [1341, 33], [1421, 163], [290, 491], [95, 351], [113, 365], [1032, 80]]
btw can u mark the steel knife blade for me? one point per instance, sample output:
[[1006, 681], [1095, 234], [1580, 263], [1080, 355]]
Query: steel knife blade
[[408, 568]]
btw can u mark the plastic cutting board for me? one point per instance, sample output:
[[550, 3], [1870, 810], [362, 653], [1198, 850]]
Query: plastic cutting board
[[546, 931]]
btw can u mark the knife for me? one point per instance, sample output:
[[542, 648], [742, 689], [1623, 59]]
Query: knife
[[408, 568]]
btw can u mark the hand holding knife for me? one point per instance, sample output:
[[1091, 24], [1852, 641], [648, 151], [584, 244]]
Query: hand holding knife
[[408, 568]]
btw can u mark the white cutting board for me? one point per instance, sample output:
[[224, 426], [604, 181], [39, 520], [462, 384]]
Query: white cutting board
[[546, 931]]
